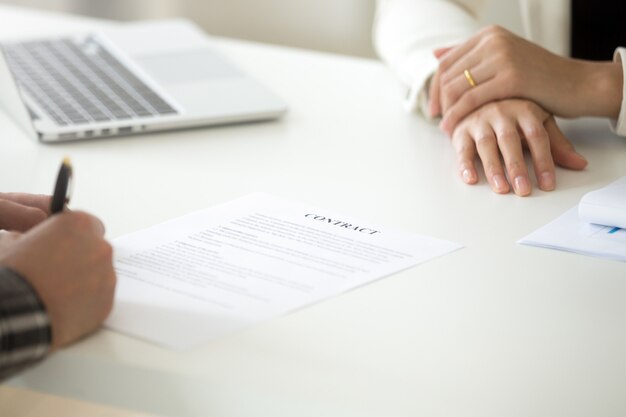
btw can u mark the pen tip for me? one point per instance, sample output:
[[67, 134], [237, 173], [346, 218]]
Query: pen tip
[[66, 160]]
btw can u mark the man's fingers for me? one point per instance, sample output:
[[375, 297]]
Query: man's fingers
[[7, 239], [39, 201], [562, 150], [80, 220], [17, 217], [94, 223]]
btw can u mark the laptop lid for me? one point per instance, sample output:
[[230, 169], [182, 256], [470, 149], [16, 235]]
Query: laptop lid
[[171, 61], [11, 100]]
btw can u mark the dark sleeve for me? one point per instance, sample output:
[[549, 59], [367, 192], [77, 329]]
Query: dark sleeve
[[25, 332]]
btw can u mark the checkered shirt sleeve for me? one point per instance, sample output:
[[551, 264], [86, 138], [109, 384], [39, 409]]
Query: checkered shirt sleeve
[[25, 332]]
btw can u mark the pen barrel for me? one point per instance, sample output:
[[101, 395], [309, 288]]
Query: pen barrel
[[60, 195]]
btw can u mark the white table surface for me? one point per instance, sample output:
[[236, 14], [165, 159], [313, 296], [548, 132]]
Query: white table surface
[[496, 329]]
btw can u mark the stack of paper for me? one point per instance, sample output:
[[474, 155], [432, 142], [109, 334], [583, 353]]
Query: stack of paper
[[596, 227], [606, 206]]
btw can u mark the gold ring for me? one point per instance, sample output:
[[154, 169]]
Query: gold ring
[[469, 78]]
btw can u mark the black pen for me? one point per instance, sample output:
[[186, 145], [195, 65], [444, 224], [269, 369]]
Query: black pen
[[62, 188]]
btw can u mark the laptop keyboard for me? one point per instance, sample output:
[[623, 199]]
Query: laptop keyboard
[[81, 82]]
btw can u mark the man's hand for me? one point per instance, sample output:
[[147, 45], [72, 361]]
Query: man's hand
[[68, 262], [19, 212], [499, 131]]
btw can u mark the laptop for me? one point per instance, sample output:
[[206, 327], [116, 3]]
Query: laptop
[[134, 78]]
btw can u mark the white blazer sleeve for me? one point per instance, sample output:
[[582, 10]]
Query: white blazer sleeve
[[407, 31], [619, 125]]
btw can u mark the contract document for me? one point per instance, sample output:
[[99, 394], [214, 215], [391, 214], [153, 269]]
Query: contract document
[[201, 276]]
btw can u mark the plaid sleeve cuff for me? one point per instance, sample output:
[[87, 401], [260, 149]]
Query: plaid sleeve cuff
[[25, 332]]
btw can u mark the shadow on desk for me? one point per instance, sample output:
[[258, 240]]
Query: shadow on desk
[[17, 402], [112, 384], [594, 139]]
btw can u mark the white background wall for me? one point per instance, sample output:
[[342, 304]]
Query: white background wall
[[341, 26]]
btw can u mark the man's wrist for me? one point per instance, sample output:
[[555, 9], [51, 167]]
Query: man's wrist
[[25, 332]]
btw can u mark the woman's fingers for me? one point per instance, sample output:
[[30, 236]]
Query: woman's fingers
[[439, 52], [561, 148], [465, 149], [499, 132], [454, 54], [538, 142], [510, 145], [453, 89], [489, 153], [469, 61], [434, 103], [469, 102]]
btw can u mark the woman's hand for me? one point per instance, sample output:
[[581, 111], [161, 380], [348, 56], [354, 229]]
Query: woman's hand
[[500, 131], [504, 65]]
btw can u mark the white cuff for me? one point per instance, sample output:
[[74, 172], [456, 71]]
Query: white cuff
[[619, 125], [419, 67]]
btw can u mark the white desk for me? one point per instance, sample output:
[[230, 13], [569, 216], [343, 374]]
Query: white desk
[[496, 329]]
